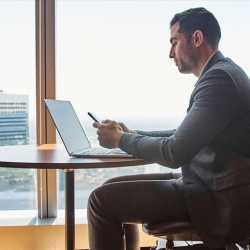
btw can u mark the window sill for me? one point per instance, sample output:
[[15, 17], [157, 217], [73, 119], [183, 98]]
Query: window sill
[[29, 218]]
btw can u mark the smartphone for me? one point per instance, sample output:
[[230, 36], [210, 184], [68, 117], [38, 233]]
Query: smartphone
[[94, 117]]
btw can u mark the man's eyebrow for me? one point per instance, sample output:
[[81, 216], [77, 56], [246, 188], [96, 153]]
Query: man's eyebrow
[[172, 38]]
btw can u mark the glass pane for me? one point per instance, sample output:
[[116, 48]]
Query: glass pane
[[112, 59], [17, 99]]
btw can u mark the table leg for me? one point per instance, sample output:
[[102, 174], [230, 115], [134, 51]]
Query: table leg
[[69, 209]]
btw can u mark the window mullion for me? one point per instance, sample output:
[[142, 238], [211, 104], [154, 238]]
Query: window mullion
[[45, 67]]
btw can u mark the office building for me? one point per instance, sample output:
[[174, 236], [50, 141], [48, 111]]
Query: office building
[[14, 119]]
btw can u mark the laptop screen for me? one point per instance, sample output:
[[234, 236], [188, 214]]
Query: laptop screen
[[68, 125]]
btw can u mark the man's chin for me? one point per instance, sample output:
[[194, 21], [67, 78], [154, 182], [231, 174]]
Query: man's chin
[[184, 71], [181, 70]]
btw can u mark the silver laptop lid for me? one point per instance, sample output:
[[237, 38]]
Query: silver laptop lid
[[68, 125]]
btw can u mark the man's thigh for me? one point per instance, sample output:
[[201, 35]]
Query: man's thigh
[[137, 177], [141, 201]]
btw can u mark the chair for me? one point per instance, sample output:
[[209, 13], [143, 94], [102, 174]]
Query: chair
[[179, 231], [172, 231]]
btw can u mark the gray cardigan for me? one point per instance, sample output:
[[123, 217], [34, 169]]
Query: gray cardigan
[[212, 147]]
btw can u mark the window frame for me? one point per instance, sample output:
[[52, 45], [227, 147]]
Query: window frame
[[45, 88]]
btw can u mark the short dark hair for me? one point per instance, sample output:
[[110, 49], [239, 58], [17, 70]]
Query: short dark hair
[[198, 19]]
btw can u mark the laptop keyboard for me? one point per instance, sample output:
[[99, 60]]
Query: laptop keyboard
[[99, 151]]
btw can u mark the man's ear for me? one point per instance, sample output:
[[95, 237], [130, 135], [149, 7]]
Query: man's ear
[[197, 38]]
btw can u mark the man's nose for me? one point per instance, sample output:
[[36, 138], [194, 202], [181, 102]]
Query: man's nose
[[171, 54]]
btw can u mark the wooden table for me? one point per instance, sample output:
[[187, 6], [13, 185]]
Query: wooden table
[[53, 156]]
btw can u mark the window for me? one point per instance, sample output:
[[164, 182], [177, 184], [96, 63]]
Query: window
[[112, 59], [17, 99]]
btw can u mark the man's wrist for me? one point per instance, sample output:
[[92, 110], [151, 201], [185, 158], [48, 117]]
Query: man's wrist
[[117, 141]]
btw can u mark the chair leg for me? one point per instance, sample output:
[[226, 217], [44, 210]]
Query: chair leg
[[169, 245]]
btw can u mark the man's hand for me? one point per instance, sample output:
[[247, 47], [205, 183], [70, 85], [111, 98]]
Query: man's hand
[[109, 133], [126, 129]]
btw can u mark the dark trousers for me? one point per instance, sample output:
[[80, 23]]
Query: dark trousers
[[119, 204]]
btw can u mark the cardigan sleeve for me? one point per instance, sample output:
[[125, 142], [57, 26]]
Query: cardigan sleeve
[[163, 133]]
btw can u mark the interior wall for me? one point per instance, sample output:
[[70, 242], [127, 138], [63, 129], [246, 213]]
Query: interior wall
[[48, 238]]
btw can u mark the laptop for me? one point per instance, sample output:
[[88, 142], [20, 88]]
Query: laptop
[[73, 135]]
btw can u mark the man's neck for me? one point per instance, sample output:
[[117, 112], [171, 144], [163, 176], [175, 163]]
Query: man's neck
[[203, 60], [206, 63]]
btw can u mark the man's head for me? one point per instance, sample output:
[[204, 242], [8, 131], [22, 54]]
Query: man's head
[[198, 19], [195, 33]]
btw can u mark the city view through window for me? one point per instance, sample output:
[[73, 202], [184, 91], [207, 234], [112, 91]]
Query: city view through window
[[17, 186], [17, 100]]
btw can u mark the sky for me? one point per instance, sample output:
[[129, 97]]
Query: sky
[[112, 57]]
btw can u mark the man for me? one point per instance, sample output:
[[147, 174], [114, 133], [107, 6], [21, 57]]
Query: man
[[211, 145]]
